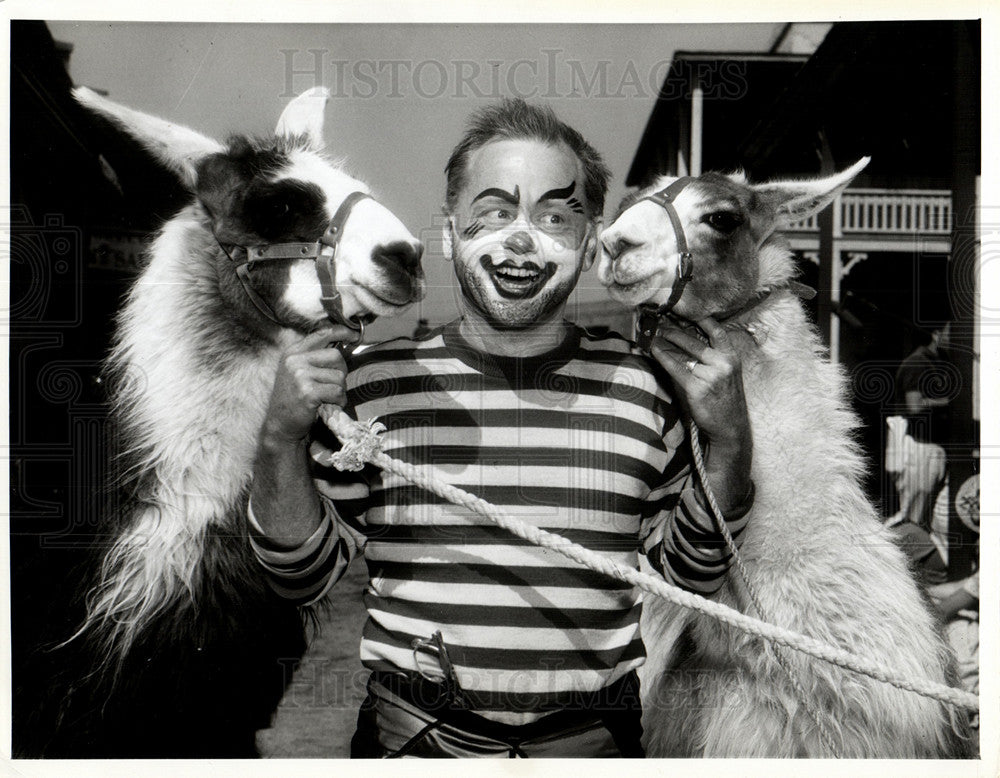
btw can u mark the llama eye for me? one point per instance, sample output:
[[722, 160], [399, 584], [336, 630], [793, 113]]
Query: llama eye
[[724, 221]]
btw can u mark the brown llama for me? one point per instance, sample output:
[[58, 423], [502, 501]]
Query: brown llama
[[815, 551]]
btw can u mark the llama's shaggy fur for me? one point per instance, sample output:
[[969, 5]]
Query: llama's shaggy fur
[[820, 562], [189, 433], [184, 650]]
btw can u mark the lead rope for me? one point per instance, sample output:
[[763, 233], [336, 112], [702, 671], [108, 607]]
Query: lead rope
[[361, 444], [779, 656]]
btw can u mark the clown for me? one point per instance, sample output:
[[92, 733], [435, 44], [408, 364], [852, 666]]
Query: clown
[[481, 645]]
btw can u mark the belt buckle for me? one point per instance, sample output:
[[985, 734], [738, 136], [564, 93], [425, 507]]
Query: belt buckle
[[435, 645]]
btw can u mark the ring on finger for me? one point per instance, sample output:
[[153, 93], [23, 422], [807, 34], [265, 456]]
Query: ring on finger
[[691, 364]]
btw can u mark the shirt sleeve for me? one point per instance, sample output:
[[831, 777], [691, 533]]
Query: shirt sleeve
[[306, 573], [680, 536]]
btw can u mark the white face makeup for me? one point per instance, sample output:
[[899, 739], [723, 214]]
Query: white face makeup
[[520, 232]]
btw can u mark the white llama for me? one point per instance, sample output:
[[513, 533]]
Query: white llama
[[184, 650], [816, 554]]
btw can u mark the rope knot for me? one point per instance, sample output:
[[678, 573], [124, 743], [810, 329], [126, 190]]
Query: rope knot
[[360, 441]]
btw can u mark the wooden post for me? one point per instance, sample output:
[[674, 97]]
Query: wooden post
[[828, 259], [963, 448]]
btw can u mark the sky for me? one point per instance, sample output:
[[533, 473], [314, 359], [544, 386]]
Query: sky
[[400, 94]]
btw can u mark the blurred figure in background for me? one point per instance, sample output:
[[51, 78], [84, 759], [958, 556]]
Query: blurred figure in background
[[957, 603], [915, 455]]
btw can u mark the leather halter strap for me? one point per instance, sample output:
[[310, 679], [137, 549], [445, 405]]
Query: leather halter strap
[[326, 263], [649, 313], [323, 251]]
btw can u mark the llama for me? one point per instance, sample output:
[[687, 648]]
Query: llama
[[184, 651], [815, 552]]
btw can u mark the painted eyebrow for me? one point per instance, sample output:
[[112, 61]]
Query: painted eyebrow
[[559, 194], [507, 197]]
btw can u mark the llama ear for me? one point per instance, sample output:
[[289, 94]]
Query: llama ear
[[447, 240], [219, 186], [174, 145], [793, 201], [304, 116], [591, 241]]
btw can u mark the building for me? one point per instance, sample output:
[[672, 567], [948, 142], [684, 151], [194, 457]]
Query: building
[[897, 253]]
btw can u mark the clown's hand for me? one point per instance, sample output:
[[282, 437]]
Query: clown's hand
[[708, 381]]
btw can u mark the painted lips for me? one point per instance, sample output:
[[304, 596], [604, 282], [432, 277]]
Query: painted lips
[[517, 282]]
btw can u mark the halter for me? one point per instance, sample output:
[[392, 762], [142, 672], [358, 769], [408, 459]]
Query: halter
[[650, 314], [323, 251]]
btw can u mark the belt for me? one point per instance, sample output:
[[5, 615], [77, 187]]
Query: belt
[[607, 705]]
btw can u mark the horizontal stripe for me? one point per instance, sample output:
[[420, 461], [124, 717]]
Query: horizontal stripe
[[534, 443], [337, 556], [492, 535], [451, 519], [377, 639], [525, 618], [305, 594], [531, 596], [474, 391], [483, 636], [305, 566], [687, 573], [500, 554], [615, 350], [601, 464], [271, 552], [529, 483], [622, 376], [521, 419], [399, 350], [562, 497], [461, 572]]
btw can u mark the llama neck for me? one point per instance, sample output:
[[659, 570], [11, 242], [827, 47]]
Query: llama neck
[[194, 388], [796, 399]]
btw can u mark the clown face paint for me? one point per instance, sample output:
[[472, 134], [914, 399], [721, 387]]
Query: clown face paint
[[520, 234]]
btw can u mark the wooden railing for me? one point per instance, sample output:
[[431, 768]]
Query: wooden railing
[[889, 211]]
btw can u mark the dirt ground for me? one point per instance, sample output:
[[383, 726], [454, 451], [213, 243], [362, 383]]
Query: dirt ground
[[317, 716]]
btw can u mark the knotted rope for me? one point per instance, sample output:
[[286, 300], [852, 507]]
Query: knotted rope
[[361, 444]]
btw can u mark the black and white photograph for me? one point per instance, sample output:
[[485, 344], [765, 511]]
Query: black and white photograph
[[394, 382]]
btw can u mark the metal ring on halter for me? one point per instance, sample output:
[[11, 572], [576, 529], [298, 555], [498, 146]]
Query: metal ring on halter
[[348, 348]]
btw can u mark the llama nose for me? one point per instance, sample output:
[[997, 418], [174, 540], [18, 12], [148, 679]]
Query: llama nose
[[615, 248], [401, 253], [519, 243]]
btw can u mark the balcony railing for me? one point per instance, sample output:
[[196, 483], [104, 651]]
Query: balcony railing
[[889, 211]]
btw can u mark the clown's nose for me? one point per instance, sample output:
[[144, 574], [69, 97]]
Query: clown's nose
[[519, 243]]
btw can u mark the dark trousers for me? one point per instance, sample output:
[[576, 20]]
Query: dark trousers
[[406, 716]]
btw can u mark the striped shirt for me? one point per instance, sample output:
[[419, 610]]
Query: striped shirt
[[582, 441]]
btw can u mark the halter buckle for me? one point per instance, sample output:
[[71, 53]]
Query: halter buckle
[[650, 314], [322, 251]]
